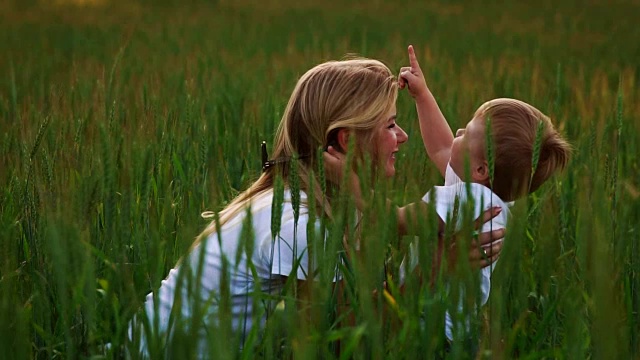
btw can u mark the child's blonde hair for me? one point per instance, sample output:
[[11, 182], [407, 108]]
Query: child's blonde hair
[[353, 94], [514, 125]]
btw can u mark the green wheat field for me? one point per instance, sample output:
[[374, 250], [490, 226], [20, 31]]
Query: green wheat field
[[122, 121]]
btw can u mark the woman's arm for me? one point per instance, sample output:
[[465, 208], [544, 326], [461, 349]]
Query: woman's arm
[[410, 216]]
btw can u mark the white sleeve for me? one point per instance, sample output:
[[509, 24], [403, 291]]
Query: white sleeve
[[290, 249]]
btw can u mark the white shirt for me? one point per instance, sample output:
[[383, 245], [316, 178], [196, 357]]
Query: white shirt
[[483, 198], [272, 259]]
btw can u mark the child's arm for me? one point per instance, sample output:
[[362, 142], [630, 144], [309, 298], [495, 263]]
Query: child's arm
[[436, 133]]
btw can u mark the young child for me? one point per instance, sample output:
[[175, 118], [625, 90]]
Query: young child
[[463, 159], [514, 128]]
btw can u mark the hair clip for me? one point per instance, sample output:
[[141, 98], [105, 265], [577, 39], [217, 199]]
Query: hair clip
[[266, 163]]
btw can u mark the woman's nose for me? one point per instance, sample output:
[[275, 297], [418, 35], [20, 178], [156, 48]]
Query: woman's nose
[[401, 136]]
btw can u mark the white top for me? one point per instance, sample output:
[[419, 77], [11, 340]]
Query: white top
[[483, 198], [272, 260]]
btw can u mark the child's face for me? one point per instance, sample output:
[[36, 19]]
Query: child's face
[[468, 143]]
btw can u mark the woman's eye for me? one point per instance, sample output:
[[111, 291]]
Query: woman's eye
[[391, 126]]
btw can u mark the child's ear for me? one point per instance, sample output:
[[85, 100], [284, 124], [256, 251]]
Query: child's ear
[[343, 140], [481, 173]]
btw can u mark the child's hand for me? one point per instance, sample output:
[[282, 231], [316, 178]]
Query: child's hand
[[412, 77], [334, 164]]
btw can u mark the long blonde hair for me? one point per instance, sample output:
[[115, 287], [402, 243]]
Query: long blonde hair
[[353, 94]]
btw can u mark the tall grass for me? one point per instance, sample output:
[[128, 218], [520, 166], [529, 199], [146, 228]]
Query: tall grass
[[123, 121]]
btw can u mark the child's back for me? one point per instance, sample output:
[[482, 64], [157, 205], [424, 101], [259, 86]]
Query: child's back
[[456, 194]]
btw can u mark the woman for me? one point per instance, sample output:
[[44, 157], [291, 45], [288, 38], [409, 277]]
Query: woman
[[332, 104]]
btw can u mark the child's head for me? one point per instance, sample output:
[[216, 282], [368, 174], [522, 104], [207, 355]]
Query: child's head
[[514, 125]]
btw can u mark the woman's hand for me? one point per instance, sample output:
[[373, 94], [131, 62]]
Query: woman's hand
[[334, 165], [484, 248]]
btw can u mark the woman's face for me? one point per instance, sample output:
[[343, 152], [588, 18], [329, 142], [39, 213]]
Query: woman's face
[[387, 140]]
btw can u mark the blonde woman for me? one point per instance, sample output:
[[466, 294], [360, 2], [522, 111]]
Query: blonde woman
[[332, 103]]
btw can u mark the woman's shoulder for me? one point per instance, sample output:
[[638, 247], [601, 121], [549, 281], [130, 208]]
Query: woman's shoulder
[[261, 210], [265, 200], [263, 205]]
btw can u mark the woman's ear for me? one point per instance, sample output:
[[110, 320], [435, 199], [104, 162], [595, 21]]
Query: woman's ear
[[343, 140]]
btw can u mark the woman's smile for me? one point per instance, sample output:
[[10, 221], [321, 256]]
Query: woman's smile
[[388, 140]]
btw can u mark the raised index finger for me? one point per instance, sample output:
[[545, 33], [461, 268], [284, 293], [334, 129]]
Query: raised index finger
[[413, 61]]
